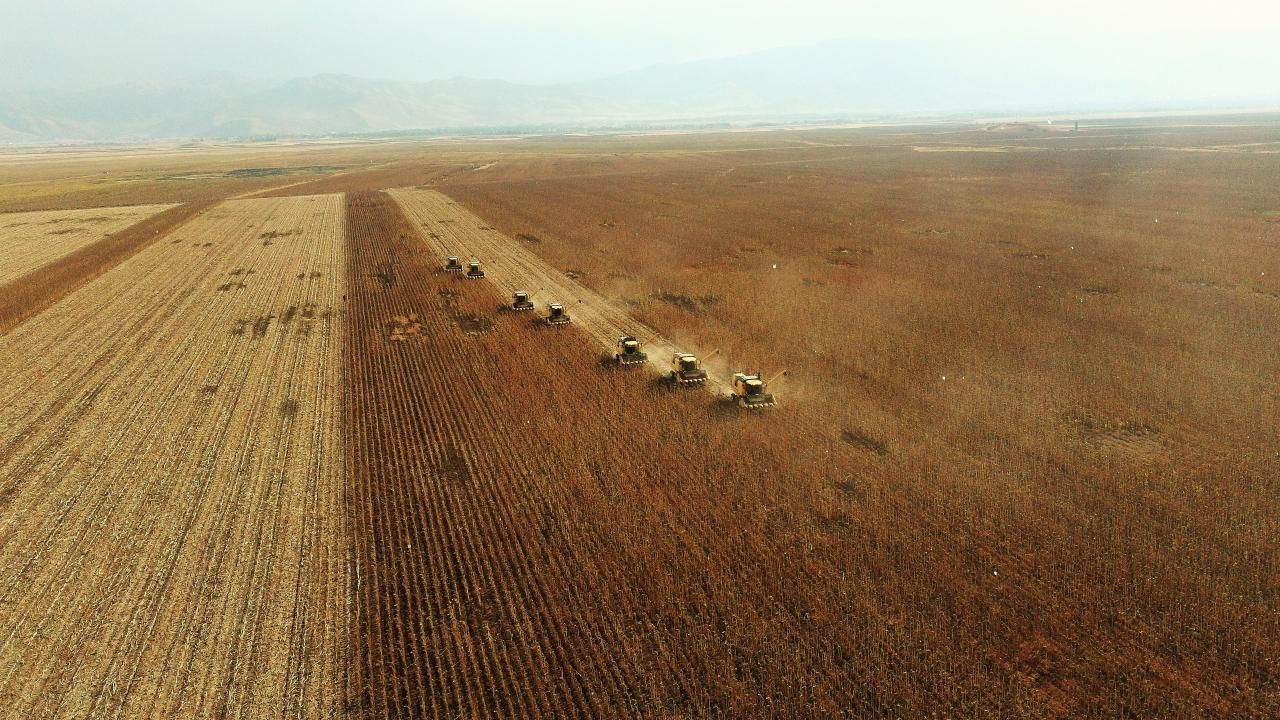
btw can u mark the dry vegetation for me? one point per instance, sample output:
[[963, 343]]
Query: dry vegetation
[[30, 240], [1060, 368], [559, 547], [1027, 461], [171, 527], [27, 295]]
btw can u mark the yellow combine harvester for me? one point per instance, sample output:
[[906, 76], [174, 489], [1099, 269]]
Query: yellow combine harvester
[[453, 265], [751, 392], [473, 270], [520, 301], [629, 352], [686, 369], [556, 316]]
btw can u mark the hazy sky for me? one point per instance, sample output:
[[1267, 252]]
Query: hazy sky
[[78, 43]]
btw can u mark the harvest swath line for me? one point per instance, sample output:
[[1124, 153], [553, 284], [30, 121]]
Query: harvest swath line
[[453, 230], [168, 540]]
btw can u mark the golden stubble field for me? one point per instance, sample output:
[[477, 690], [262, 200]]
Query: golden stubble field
[[34, 239], [1025, 462], [171, 494]]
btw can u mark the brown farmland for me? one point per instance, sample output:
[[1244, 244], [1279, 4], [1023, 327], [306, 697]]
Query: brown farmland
[[268, 457]]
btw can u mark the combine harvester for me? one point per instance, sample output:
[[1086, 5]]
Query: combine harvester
[[556, 316], [750, 392], [452, 265], [629, 352], [686, 369], [520, 301], [473, 270]]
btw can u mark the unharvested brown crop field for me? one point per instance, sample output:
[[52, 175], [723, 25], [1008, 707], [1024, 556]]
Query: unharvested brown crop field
[[261, 455]]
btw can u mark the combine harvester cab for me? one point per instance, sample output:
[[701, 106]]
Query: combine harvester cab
[[686, 369], [751, 392], [453, 265], [520, 301], [473, 270], [556, 316], [629, 352]]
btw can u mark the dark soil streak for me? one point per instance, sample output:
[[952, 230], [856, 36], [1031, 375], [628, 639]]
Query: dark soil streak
[[34, 292]]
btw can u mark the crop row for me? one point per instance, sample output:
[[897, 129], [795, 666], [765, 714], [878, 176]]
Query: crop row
[[172, 491], [540, 535]]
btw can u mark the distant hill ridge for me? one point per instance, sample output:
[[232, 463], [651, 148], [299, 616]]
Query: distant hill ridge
[[847, 80]]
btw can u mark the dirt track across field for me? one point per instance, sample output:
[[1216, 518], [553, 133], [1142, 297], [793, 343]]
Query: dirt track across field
[[453, 230]]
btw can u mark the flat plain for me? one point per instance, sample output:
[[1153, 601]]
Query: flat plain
[[270, 458]]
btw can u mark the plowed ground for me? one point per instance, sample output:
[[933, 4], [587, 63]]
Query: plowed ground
[[171, 534]]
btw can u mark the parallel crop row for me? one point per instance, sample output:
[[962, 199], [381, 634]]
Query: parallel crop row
[[538, 535], [170, 528]]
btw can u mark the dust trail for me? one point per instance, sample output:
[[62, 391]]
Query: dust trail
[[451, 229]]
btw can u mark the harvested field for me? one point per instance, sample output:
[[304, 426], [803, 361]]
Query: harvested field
[[30, 240], [33, 292], [266, 457], [172, 530]]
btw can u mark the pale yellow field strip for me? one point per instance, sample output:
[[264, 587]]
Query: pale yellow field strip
[[451, 229], [32, 239], [172, 534]]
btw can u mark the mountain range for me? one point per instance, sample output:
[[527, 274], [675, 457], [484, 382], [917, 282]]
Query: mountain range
[[835, 81]]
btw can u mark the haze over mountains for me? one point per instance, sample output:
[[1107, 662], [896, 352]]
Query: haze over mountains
[[834, 81]]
